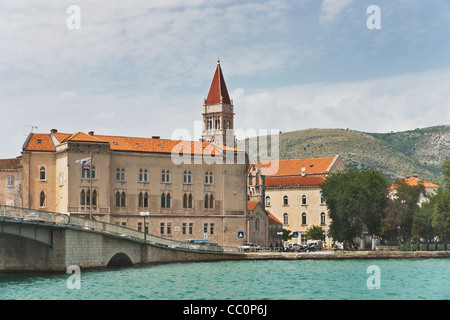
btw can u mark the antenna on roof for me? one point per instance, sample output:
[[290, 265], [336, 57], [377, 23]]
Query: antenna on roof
[[32, 127]]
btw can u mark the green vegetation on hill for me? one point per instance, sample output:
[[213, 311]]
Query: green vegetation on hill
[[396, 154]]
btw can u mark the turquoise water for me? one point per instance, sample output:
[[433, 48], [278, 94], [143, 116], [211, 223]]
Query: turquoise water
[[243, 280]]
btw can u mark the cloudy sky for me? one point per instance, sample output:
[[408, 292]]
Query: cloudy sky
[[143, 68]]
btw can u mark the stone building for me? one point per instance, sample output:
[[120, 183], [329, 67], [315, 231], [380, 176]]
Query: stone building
[[293, 193], [11, 182], [190, 189]]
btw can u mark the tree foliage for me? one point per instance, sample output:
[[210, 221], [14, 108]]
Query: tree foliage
[[356, 200], [315, 233]]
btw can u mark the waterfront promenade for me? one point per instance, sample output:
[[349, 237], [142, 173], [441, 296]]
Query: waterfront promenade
[[343, 255]]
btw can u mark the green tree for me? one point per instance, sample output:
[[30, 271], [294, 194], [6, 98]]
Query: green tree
[[356, 200], [287, 235], [315, 233], [401, 209], [441, 214]]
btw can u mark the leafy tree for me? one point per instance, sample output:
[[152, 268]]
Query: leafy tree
[[441, 214], [315, 233], [356, 200], [401, 209], [287, 235]]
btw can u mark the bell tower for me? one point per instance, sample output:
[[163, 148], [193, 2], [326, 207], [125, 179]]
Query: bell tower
[[218, 115]]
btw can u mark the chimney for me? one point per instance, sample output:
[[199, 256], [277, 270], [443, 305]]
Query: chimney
[[54, 131], [155, 137], [91, 133]]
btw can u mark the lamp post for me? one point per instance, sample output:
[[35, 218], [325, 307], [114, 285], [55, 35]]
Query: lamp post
[[145, 214]]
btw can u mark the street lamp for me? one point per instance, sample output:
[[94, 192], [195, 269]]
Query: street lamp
[[145, 214]]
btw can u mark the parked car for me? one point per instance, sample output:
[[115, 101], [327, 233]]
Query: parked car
[[249, 247], [316, 243]]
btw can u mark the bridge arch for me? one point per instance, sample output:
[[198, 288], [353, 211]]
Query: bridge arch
[[120, 260]]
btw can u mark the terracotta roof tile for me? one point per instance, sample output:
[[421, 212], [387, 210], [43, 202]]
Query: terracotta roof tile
[[10, 164], [218, 89], [273, 219], [42, 142], [294, 166], [414, 181], [251, 205]]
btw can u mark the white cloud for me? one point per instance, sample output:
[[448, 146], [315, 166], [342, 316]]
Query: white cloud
[[330, 9], [395, 103]]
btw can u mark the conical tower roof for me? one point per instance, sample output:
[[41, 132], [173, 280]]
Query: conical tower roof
[[218, 92]]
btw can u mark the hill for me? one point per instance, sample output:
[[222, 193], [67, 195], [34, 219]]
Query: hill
[[396, 154]]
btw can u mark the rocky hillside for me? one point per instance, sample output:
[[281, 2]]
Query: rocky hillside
[[397, 154]]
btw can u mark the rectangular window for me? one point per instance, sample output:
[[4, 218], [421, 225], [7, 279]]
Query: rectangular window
[[191, 227], [169, 228], [211, 228], [184, 228], [161, 228], [139, 226], [205, 228], [10, 181]]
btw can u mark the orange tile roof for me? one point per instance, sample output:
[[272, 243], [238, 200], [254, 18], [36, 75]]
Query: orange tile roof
[[218, 89], [40, 142], [43, 142], [272, 218], [294, 166], [414, 181], [251, 205], [292, 181], [10, 164]]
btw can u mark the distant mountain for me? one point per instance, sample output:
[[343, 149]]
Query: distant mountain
[[396, 154]]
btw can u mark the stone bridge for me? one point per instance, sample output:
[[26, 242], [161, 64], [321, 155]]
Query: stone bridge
[[32, 240]]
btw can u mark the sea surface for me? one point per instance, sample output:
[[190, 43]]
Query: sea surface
[[390, 279]]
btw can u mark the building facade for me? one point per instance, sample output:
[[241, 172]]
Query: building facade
[[11, 182], [187, 189], [293, 193]]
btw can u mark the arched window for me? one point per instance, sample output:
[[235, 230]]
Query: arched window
[[145, 175], [94, 197], [122, 199], [322, 218], [141, 175], [168, 200], [88, 197], [304, 199], [303, 218], [190, 201], [42, 173], [185, 200], [322, 200], [168, 176], [82, 198], [211, 201], [285, 200], [146, 200], [42, 199], [117, 199], [140, 200], [117, 174], [210, 177], [122, 174], [257, 224], [267, 201], [185, 177], [189, 177], [163, 200], [163, 176], [285, 219], [206, 201]]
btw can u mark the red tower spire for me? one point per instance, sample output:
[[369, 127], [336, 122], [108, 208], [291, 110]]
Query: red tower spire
[[218, 92]]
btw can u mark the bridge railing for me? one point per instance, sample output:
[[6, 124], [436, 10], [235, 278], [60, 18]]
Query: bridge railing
[[12, 213]]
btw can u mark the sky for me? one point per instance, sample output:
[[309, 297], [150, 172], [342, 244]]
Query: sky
[[143, 68]]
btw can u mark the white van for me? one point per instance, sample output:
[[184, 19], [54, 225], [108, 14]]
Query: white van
[[197, 243], [316, 243]]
